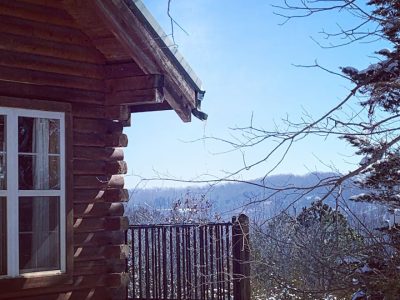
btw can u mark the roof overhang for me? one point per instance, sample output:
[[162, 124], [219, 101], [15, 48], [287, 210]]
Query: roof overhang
[[169, 77]]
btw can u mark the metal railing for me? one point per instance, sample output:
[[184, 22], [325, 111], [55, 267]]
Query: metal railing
[[184, 261]]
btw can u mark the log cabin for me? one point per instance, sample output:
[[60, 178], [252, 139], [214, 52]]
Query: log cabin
[[71, 74]]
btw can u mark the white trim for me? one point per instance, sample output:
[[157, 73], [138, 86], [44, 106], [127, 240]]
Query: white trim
[[41, 273], [13, 193], [12, 197], [63, 229], [38, 193]]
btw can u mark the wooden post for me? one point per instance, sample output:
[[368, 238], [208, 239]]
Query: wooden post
[[241, 257]]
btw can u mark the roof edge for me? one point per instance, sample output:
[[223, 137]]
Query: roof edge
[[165, 43]]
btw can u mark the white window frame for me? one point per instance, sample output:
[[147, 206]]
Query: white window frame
[[12, 193]]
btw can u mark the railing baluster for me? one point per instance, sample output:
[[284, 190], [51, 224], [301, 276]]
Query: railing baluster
[[133, 262], [188, 266], [171, 259], [208, 272], [217, 261], [178, 263], [212, 261], [164, 249], [222, 261], [160, 268], [228, 261], [202, 267], [147, 258], [140, 267], [195, 262]]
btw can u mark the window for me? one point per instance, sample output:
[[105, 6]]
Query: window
[[32, 191]]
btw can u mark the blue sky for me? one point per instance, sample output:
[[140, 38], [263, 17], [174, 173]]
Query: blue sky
[[245, 61]]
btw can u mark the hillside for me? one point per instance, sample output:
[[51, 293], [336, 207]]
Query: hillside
[[228, 199]]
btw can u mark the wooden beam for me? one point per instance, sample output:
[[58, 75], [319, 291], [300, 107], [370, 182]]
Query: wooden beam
[[98, 210], [135, 83], [32, 91], [150, 107], [41, 78], [101, 181], [100, 224], [99, 167], [40, 30], [91, 195], [99, 238], [135, 97], [92, 253], [39, 13], [100, 153], [50, 64], [100, 140], [121, 70]]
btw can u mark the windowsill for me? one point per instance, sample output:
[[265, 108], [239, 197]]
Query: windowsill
[[33, 274], [34, 280]]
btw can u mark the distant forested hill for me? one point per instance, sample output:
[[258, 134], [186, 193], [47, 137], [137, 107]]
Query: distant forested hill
[[229, 199]]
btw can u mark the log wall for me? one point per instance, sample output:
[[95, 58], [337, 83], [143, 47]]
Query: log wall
[[45, 56]]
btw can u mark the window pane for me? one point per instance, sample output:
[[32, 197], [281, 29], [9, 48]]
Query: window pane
[[39, 234], [25, 128], [3, 134], [38, 172], [3, 236], [37, 135]]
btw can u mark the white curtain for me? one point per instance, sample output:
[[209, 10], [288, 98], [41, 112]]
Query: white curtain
[[41, 244]]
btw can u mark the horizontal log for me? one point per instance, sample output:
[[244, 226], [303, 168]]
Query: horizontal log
[[100, 140], [134, 97], [116, 167], [99, 238], [34, 29], [99, 153], [50, 64], [24, 90], [99, 267], [118, 112], [50, 3], [99, 224], [119, 292], [97, 126], [98, 209], [83, 110], [117, 280], [143, 82], [99, 167], [37, 13], [15, 288], [150, 107], [116, 140], [50, 79], [67, 292], [100, 182], [122, 70], [17, 43], [98, 195], [89, 167], [127, 122], [108, 45], [101, 253]]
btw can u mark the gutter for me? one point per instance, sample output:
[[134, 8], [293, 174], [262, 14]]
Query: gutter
[[164, 42]]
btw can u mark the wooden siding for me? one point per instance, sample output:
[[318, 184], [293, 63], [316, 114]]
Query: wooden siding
[[45, 55]]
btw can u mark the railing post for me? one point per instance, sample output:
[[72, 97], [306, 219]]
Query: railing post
[[241, 257]]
